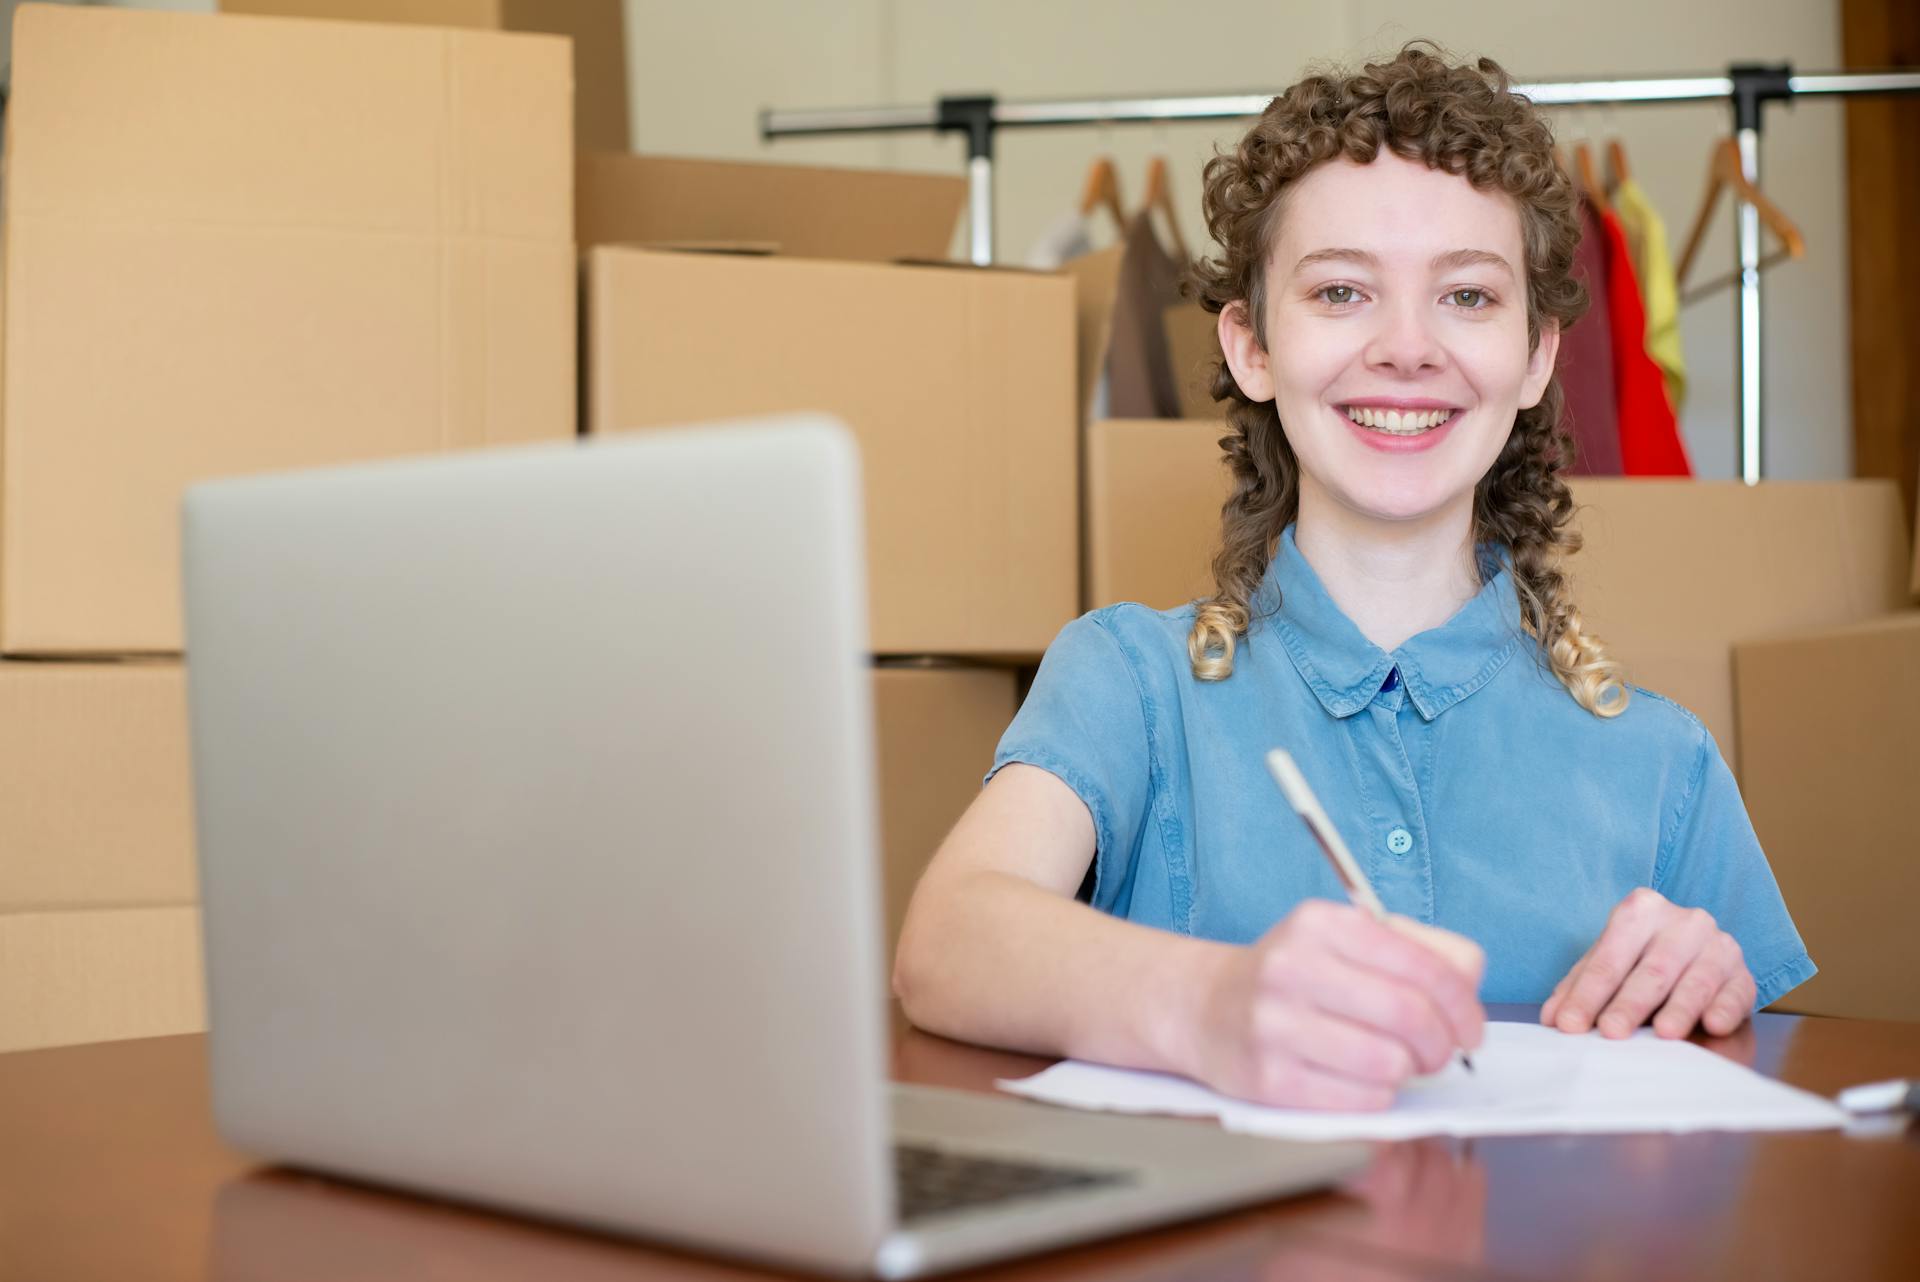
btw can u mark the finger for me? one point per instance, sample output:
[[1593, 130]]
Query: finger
[[1551, 1006], [1733, 1004], [1628, 929], [1548, 1007], [1681, 941], [1386, 951], [1698, 985], [1298, 1084], [1387, 1005], [1352, 1050]]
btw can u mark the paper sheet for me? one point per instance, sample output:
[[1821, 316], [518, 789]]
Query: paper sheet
[[1528, 1079]]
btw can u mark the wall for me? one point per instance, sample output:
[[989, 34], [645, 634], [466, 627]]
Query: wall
[[701, 74]]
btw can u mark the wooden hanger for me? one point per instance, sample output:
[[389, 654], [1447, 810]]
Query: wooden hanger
[[1160, 197], [1102, 191], [1616, 165], [1590, 184], [1723, 171]]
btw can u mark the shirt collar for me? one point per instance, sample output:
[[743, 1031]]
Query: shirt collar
[[1345, 671]]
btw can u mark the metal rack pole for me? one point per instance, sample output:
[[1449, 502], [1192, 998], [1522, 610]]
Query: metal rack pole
[[1747, 88]]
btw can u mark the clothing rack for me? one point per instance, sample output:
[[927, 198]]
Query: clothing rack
[[1747, 87]]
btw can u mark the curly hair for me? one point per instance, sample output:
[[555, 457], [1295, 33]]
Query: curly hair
[[1463, 120]]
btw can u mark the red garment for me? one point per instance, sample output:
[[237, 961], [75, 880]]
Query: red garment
[[1585, 365], [1650, 443]]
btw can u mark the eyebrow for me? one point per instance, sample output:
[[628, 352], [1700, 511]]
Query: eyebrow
[[1453, 259]]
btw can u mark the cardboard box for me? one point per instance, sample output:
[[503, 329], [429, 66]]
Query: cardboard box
[[597, 28], [220, 260], [95, 805], [99, 975], [1675, 573], [936, 731], [957, 383], [872, 215], [1827, 723], [1096, 287], [1154, 492], [1193, 346]]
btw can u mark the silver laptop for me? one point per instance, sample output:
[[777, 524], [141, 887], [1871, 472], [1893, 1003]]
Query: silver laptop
[[537, 828]]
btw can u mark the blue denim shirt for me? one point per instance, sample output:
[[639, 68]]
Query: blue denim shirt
[[1472, 788]]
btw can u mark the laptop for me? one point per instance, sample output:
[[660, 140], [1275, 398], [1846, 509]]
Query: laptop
[[535, 802]]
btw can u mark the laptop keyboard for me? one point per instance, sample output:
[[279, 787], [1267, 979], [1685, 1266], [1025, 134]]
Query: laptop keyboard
[[930, 1181]]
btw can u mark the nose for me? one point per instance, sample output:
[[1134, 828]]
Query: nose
[[1403, 341]]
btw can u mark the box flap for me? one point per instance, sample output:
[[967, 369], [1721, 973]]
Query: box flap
[[862, 214], [750, 248]]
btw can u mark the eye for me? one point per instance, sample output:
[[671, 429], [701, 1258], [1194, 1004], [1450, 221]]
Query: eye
[[1337, 294], [1471, 300]]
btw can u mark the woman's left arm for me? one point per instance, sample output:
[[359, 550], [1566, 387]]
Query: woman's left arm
[[1703, 946]]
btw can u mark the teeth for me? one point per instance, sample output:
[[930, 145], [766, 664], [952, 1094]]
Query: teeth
[[1396, 423]]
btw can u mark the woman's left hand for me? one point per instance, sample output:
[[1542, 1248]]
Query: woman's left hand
[[1655, 956]]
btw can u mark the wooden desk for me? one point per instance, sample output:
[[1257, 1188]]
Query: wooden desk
[[109, 1169]]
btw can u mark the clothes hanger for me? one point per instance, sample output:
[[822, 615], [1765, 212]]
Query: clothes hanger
[[1615, 170], [1724, 171], [1590, 183], [1159, 196], [1616, 165], [1102, 191]]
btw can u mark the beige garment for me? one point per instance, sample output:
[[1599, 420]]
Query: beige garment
[[1140, 378]]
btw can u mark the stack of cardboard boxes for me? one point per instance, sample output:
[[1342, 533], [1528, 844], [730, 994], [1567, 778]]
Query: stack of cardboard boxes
[[219, 262]]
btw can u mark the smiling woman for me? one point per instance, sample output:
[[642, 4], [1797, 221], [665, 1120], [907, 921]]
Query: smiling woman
[[1351, 247], [1392, 283]]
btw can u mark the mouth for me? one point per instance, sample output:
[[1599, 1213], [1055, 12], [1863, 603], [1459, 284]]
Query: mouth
[[1397, 422]]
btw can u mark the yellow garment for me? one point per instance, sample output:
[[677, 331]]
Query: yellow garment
[[1659, 291]]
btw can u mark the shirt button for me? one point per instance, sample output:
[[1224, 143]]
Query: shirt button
[[1399, 841]]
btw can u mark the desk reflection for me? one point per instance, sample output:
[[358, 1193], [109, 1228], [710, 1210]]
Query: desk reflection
[[285, 1226]]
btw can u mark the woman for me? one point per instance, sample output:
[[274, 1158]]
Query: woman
[[1392, 282]]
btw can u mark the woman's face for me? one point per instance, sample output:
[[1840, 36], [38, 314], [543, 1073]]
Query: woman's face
[[1396, 336]]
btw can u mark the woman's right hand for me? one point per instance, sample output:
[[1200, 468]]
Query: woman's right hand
[[1332, 1009]]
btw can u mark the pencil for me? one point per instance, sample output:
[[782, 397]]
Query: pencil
[[1300, 796]]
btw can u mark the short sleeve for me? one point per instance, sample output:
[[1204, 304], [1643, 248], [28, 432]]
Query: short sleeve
[[1712, 860], [1083, 722]]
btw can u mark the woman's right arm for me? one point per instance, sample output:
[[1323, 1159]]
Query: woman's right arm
[[997, 950], [1329, 1009]]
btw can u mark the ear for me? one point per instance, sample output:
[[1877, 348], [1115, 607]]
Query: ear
[[1244, 355], [1540, 365]]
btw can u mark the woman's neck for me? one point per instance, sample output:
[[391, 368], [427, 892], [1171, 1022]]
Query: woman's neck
[[1393, 579]]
